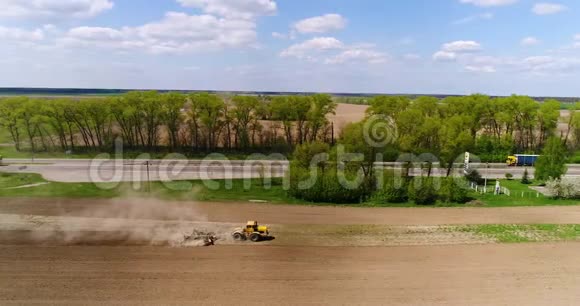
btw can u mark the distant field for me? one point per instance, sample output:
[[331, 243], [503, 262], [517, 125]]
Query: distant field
[[347, 98]]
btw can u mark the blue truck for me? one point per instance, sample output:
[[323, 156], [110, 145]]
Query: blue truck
[[522, 160]]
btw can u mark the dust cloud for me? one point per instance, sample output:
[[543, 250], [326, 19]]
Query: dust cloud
[[124, 221]]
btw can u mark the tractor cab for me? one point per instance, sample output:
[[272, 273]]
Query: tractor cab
[[252, 226], [252, 231]]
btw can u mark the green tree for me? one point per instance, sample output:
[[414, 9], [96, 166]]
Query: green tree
[[244, 114], [456, 139], [9, 118], [574, 126], [321, 106], [548, 115], [207, 113], [281, 110], [388, 105], [171, 115], [526, 177], [552, 162]]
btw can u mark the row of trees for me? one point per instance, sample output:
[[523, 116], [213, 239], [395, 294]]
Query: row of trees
[[148, 120], [490, 127], [324, 174]]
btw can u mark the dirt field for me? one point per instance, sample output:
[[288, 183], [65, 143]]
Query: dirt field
[[344, 256], [538, 274], [287, 214], [348, 113]]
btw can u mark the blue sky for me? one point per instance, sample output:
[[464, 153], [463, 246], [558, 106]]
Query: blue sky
[[412, 46]]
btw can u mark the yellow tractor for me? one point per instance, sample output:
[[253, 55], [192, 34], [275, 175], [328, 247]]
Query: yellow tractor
[[252, 231]]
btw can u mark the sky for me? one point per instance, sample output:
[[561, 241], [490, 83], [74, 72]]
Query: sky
[[496, 47]]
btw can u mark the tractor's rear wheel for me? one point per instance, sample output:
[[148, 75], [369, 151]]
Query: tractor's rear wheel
[[255, 237], [238, 237]]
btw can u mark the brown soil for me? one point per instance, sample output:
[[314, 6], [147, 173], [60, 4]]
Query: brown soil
[[285, 214], [535, 274], [330, 261]]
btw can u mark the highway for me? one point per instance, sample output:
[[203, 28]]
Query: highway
[[85, 170]]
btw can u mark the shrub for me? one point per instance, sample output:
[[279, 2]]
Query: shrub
[[474, 177], [509, 176], [422, 192], [327, 187], [391, 192], [566, 188], [305, 153], [552, 162], [453, 191], [526, 178]]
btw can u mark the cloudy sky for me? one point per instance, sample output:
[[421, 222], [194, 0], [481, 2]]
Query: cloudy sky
[[412, 46]]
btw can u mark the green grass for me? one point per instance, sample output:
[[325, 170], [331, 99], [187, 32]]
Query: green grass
[[525, 233], [530, 196], [177, 190], [575, 159], [10, 180], [237, 192]]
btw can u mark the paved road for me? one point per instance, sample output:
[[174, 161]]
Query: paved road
[[83, 170]]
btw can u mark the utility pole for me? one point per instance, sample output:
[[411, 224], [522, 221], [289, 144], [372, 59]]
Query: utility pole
[[332, 131], [148, 178], [486, 175]]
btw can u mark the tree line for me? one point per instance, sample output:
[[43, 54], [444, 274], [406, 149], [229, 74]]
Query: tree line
[[434, 131], [180, 122], [146, 121], [493, 128]]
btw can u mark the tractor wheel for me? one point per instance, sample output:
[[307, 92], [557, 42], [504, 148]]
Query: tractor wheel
[[255, 237], [238, 237]]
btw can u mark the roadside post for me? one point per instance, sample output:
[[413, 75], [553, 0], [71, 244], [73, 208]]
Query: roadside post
[[486, 174], [466, 163]]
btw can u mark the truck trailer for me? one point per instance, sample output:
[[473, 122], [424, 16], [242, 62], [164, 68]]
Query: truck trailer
[[522, 160]]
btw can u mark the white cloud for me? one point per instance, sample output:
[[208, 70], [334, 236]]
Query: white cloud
[[461, 46], [96, 34], [234, 8], [530, 41], [320, 24], [535, 65], [451, 51], [359, 55], [489, 3], [303, 50], [279, 35], [53, 8], [444, 56], [176, 33], [20, 35], [473, 18], [549, 64], [479, 69], [548, 8]]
